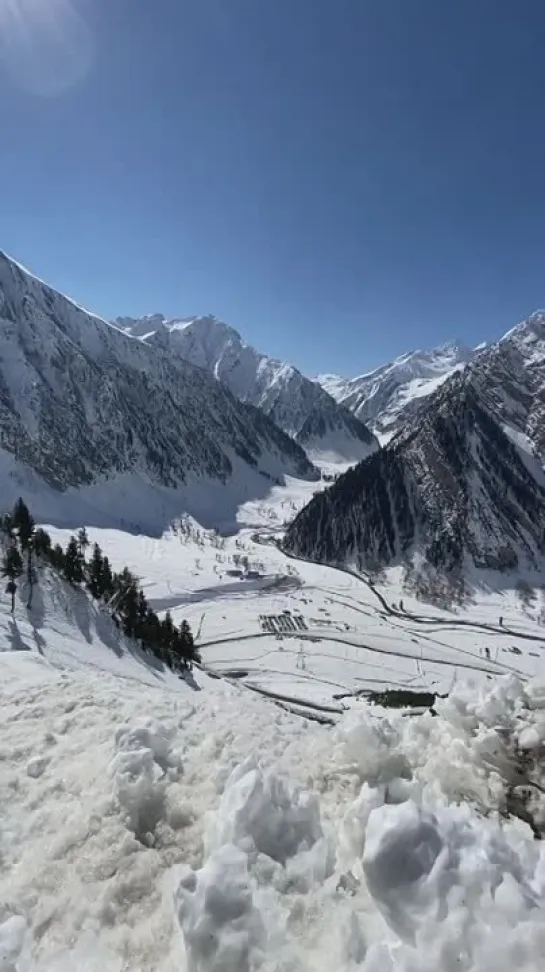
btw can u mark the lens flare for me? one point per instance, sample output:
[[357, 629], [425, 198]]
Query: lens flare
[[45, 45]]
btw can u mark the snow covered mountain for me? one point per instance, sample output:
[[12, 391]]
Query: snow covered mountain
[[510, 378], [299, 406], [462, 483], [390, 395], [84, 407]]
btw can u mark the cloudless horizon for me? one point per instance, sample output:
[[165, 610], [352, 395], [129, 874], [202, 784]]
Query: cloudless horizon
[[341, 182]]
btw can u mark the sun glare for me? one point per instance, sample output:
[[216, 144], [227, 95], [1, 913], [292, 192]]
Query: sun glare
[[45, 45]]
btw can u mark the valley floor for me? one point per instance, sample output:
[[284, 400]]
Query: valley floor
[[156, 824], [313, 634]]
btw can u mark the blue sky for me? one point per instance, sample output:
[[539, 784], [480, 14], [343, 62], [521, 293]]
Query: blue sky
[[341, 180]]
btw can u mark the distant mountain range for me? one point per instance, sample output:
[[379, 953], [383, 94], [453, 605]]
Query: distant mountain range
[[147, 418], [84, 407], [460, 486], [299, 406]]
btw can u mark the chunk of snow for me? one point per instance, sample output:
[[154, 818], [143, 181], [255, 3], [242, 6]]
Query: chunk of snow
[[153, 736], [530, 738], [422, 867], [354, 824], [404, 850], [36, 766]]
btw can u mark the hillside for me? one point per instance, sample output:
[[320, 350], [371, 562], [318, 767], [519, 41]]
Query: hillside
[[299, 406], [99, 426], [66, 630]]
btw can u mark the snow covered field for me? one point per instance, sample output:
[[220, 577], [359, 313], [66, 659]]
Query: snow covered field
[[313, 634], [151, 823]]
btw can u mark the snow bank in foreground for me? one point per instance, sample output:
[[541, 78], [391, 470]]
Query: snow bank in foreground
[[143, 830], [411, 875]]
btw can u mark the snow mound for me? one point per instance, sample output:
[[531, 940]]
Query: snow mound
[[223, 930], [265, 813], [448, 884], [142, 768], [371, 746]]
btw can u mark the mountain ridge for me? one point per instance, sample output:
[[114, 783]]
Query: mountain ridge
[[387, 396], [297, 405]]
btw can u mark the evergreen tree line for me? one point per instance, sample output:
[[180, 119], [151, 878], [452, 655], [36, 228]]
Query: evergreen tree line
[[118, 591]]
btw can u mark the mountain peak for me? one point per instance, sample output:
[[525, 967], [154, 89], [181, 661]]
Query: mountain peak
[[384, 398], [528, 331]]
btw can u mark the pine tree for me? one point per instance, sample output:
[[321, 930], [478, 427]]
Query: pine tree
[[165, 633], [123, 580], [187, 644], [107, 578], [83, 541], [42, 543], [21, 519], [12, 568], [180, 649], [73, 562], [128, 607], [150, 632], [174, 650], [57, 557], [95, 573], [142, 613], [24, 526], [6, 523]]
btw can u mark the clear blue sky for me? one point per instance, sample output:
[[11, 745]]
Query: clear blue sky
[[341, 180]]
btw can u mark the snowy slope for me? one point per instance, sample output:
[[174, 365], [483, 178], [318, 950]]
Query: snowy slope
[[299, 406], [157, 825], [85, 407], [386, 398], [156, 828], [66, 631]]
